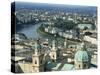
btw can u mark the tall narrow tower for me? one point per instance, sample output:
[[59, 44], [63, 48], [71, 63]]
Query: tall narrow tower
[[53, 53], [37, 58], [65, 43]]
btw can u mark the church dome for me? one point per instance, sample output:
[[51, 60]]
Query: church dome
[[82, 56]]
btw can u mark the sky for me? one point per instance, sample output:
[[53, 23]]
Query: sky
[[72, 2]]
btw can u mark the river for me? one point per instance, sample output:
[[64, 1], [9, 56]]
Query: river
[[30, 30]]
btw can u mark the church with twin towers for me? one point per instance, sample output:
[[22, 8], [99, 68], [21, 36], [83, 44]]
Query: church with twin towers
[[60, 59]]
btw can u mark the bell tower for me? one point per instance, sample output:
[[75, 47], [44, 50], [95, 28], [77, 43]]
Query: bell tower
[[53, 53], [65, 43], [37, 58]]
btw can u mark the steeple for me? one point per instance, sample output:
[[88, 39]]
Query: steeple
[[53, 45], [36, 49], [53, 53], [65, 43], [83, 46], [37, 58]]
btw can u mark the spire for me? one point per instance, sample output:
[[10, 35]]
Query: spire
[[37, 46], [83, 46], [65, 43], [36, 49], [53, 44]]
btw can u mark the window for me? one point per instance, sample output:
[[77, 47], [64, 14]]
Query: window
[[41, 62], [35, 62], [53, 60], [79, 66], [84, 65], [53, 56]]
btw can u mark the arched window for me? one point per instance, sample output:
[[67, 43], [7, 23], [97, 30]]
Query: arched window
[[53, 56], [41, 61], [35, 61], [79, 66], [84, 65], [53, 60]]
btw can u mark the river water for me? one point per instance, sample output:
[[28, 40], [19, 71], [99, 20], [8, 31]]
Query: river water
[[30, 30]]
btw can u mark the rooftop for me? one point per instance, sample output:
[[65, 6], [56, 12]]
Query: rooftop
[[60, 66], [17, 58]]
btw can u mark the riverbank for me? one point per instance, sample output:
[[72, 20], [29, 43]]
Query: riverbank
[[60, 39], [41, 31]]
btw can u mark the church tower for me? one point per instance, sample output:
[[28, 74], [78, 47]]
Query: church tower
[[53, 53], [65, 43], [82, 58], [37, 58]]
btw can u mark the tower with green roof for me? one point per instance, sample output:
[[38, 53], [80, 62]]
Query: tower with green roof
[[37, 58], [82, 58], [53, 53]]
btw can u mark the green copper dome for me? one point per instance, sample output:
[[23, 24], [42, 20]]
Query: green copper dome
[[82, 56]]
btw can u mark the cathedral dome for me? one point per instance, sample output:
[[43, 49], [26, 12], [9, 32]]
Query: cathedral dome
[[82, 56]]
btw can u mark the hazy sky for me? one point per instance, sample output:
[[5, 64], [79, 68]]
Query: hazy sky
[[75, 2]]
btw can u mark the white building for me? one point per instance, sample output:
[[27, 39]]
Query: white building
[[67, 35], [90, 39], [82, 26]]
